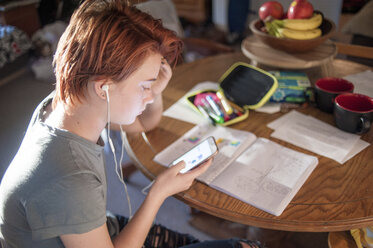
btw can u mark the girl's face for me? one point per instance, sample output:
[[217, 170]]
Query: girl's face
[[129, 97]]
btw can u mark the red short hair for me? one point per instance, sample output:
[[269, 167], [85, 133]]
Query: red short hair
[[108, 39]]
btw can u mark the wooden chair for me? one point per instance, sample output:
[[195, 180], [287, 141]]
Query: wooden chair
[[341, 240], [354, 50]]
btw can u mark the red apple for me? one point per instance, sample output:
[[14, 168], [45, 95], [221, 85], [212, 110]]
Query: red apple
[[300, 9], [271, 8]]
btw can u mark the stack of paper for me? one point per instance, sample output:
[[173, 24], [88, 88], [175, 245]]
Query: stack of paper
[[314, 135]]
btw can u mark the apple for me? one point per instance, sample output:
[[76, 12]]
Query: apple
[[300, 9], [271, 8]]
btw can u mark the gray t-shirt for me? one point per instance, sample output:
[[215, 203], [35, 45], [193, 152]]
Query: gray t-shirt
[[55, 185]]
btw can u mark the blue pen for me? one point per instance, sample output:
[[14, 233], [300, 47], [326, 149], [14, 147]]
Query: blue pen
[[214, 106]]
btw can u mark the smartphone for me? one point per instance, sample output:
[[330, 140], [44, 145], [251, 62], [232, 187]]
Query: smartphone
[[198, 154]]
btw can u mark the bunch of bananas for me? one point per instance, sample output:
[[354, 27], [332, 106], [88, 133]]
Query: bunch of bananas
[[298, 29]]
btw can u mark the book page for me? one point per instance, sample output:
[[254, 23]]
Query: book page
[[266, 175], [231, 142]]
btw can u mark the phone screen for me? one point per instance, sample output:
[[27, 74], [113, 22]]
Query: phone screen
[[198, 154]]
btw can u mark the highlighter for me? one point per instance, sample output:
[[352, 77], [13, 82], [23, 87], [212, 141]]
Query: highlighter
[[224, 102]]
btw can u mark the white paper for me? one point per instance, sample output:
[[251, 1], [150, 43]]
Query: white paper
[[314, 135], [362, 82], [181, 110], [289, 117], [269, 108], [359, 146]]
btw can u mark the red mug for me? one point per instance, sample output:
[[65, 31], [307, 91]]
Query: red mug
[[353, 112], [326, 89]]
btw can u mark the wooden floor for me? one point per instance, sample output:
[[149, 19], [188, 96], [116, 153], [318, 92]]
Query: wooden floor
[[222, 229]]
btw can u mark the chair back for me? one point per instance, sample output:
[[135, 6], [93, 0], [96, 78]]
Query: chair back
[[354, 50]]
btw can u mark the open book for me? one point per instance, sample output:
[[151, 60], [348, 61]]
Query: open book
[[255, 170]]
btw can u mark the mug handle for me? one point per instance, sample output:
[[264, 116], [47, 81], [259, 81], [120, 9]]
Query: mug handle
[[365, 124]]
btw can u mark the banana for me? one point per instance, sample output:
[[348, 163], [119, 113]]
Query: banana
[[301, 24], [300, 35]]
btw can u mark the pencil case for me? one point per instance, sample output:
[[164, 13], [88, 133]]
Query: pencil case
[[241, 87]]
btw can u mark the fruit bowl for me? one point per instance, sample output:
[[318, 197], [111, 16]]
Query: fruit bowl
[[290, 45]]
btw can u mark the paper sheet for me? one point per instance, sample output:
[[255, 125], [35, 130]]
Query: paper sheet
[[289, 117], [362, 82], [269, 108], [316, 136], [181, 109]]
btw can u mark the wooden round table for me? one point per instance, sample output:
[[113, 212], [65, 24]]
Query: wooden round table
[[334, 198]]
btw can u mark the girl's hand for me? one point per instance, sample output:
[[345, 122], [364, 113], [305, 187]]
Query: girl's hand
[[164, 76], [171, 182]]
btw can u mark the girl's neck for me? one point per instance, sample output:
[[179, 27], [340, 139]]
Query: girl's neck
[[81, 119]]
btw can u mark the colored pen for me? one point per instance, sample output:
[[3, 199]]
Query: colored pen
[[210, 111], [214, 106], [221, 108], [217, 119], [224, 102], [205, 114]]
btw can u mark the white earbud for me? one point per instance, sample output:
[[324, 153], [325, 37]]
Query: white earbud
[[106, 89]]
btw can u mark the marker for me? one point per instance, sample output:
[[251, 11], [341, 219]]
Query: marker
[[207, 105], [221, 108], [210, 112], [237, 112], [214, 106], [224, 102], [205, 114], [217, 119]]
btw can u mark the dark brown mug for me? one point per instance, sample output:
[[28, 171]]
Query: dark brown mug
[[326, 89], [353, 112]]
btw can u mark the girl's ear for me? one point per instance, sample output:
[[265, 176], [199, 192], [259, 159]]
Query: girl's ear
[[99, 89]]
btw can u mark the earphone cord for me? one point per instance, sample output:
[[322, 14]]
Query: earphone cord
[[120, 177], [121, 174], [143, 134]]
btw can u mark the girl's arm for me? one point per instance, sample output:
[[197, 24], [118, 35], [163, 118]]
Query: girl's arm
[[168, 183]]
